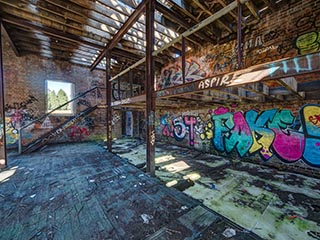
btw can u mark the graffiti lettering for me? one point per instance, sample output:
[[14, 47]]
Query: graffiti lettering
[[215, 82], [268, 133]]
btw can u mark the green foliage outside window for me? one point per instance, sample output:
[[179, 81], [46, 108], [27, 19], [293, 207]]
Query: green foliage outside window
[[57, 99]]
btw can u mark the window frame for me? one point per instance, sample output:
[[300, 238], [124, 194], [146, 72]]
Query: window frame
[[69, 112]]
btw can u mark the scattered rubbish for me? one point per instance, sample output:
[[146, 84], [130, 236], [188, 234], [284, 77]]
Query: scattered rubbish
[[290, 197], [291, 217], [146, 218], [315, 235], [92, 180], [170, 231], [315, 208], [26, 172], [135, 185], [184, 208], [229, 232], [122, 177], [111, 181], [213, 186], [141, 175], [33, 195], [267, 188], [52, 198], [183, 184], [140, 165]]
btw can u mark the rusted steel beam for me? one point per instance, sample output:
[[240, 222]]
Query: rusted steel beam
[[150, 108], [3, 148], [122, 31], [282, 68], [183, 59], [135, 99], [187, 33], [173, 16], [108, 98], [131, 82], [239, 35]]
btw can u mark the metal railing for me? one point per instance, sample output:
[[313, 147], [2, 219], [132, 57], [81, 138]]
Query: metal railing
[[90, 101]]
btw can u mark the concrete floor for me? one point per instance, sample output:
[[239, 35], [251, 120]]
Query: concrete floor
[[273, 204], [81, 191]]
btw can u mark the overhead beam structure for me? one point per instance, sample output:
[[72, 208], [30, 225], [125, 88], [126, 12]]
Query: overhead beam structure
[[280, 70], [187, 33], [122, 31], [3, 149], [13, 46]]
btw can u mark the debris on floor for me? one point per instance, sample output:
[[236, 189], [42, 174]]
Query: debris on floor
[[271, 203]]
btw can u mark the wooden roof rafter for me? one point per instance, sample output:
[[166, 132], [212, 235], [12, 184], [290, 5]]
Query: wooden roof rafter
[[12, 44], [122, 31], [58, 22]]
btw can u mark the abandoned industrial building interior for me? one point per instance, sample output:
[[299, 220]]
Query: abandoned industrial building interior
[[160, 119]]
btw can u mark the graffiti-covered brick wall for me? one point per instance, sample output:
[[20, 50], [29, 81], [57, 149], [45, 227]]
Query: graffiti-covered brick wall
[[286, 136], [25, 98], [293, 31]]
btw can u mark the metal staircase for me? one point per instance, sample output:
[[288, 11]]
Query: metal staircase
[[31, 140]]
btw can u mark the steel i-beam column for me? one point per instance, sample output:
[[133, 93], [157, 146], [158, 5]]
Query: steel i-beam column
[[150, 96], [3, 149], [108, 98], [239, 35]]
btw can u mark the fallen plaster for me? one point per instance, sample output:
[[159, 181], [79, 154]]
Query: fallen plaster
[[273, 204]]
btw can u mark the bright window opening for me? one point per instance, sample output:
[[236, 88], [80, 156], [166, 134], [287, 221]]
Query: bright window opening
[[58, 93]]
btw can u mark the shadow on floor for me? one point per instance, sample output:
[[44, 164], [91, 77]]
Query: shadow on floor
[[81, 191], [273, 204]]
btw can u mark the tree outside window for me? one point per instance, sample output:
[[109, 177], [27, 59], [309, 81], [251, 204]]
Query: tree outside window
[[58, 93]]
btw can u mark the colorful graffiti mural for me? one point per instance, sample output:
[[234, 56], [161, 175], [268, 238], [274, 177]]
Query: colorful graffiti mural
[[261, 44], [272, 132], [1, 132], [172, 74], [17, 115]]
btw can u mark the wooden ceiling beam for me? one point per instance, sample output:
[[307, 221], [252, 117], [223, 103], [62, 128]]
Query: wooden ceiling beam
[[271, 5], [47, 54], [45, 18], [64, 36], [291, 85], [205, 9], [120, 13], [122, 31], [99, 20], [223, 4], [190, 15], [187, 33], [9, 38], [253, 9], [24, 34], [261, 89], [172, 16]]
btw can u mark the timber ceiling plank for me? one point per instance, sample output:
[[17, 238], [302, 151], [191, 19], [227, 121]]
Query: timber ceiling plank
[[12, 44], [32, 13]]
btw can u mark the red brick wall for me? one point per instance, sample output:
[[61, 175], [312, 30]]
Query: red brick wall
[[25, 78], [274, 134], [292, 31]]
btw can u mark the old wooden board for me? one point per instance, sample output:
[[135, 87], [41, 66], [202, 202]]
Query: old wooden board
[[81, 191]]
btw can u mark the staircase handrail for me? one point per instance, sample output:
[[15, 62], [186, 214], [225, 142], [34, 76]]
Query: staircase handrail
[[48, 113]]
